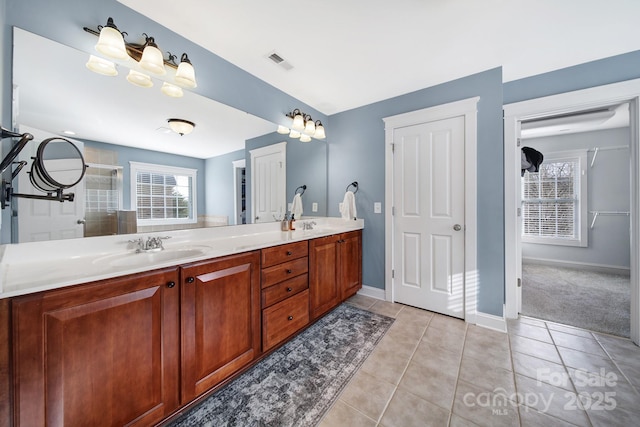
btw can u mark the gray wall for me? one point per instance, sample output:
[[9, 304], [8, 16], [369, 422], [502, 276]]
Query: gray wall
[[356, 153], [219, 179], [608, 190]]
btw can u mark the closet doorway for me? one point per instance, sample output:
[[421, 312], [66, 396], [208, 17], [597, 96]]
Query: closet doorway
[[557, 106], [574, 220]]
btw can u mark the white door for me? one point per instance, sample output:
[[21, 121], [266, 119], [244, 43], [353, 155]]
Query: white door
[[40, 220], [429, 201], [268, 183]]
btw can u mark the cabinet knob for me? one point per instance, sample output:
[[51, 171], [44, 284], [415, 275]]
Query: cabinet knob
[[289, 271], [289, 253], [171, 284], [190, 279], [290, 317], [289, 289]]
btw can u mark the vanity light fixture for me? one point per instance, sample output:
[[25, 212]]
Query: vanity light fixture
[[181, 126], [303, 127], [148, 56]]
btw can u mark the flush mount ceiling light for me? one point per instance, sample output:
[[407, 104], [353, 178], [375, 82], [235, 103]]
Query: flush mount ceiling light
[[303, 127], [181, 126], [147, 56]]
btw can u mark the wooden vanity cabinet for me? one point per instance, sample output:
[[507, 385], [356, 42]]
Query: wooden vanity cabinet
[[101, 354], [285, 295], [335, 271], [220, 320]]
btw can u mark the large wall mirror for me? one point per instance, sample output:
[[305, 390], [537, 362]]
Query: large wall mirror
[[116, 124]]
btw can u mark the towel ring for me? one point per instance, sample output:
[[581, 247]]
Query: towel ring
[[353, 184], [303, 187]]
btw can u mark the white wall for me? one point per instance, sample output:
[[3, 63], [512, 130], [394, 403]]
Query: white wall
[[608, 184]]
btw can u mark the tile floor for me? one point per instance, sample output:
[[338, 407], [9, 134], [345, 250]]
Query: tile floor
[[433, 370]]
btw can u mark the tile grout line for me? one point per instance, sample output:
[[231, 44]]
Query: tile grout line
[[455, 388], [396, 386]]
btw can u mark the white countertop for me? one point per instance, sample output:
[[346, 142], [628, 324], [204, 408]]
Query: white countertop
[[33, 267]]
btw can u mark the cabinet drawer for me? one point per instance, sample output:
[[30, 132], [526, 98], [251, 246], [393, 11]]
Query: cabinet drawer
[[283, 319], [282, 253], [284, 271], [284, 290]]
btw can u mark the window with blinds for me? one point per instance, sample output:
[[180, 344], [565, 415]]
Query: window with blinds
[[162, 194], [552, 205]]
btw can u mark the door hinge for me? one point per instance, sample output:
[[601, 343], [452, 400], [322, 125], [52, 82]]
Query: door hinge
[[393, 274], [519, 211], [393, 210], [519, 282], [393, 147], [518, 142]]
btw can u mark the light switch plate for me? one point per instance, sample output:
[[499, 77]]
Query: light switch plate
[[377, 207], [314, 207]]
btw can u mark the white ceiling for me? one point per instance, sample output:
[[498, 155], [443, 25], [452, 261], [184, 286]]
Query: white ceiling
[[349, 53]]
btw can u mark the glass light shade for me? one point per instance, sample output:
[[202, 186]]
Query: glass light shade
[[111, 43], [101, 66], [298, 123], [309, 128], [171, 90], [283, 130], [181, 126], [139, 79], [294, 134], [185, 74], [319, 133], [152, 59], [305, 138]]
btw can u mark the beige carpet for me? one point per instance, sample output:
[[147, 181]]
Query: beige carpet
[[585, 299]]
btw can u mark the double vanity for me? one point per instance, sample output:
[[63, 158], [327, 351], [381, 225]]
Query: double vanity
[[101, 333]]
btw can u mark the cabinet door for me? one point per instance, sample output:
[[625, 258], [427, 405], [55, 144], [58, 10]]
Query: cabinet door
[[101, 354], [324, 289], [350, 263], [220, 320]]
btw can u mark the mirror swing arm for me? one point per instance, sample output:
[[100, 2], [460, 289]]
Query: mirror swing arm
[[40, 178]]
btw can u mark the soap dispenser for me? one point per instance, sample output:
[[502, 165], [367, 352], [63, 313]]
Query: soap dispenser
[[284, 224], [291, 223]]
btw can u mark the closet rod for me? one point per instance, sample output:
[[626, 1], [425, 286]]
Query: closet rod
[[596, 149], [598, 213]]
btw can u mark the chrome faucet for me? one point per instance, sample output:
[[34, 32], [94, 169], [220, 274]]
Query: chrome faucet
[[308, 225], [151, 244]]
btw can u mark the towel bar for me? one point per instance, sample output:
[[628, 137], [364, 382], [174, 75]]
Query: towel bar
[[303, 187], [353, 184]]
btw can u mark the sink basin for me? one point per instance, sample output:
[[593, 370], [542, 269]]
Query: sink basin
[[133, 259]]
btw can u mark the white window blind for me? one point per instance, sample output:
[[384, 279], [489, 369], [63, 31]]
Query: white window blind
[[552, 202], [162, 194]]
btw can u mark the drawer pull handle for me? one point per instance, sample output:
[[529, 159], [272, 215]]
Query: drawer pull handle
[[289, 253], [289, 271], [290, 317], [171, 284], [289, 289], [190, 279]]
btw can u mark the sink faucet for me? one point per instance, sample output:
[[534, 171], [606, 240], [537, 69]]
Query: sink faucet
[[308, 225], [151, 244]]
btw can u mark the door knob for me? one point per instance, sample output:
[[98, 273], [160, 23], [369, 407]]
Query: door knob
[[457, 227], [81, 221]]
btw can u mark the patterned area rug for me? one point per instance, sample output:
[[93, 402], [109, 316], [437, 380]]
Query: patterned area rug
[[297, 383]]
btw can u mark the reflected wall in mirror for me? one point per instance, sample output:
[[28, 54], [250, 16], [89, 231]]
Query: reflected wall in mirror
[[110, 116]]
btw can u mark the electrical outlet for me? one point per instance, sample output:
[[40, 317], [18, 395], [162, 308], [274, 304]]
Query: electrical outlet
[[340, 207], [289, 206], [314, 207], [377, 207]]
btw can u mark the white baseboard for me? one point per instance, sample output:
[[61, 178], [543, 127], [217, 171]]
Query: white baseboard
[[600, 268], [370, 291], [489, 321]]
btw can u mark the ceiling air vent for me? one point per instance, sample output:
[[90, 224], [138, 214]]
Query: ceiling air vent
[[279, 60]]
